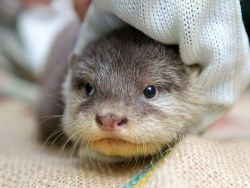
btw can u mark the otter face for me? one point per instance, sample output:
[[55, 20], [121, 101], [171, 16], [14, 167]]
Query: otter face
[[127, 95]]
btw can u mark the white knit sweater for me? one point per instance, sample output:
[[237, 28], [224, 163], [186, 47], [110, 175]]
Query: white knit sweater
[[209, 32]]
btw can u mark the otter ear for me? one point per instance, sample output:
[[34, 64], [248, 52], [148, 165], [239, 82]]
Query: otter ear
[[73, 59], [193, 71]]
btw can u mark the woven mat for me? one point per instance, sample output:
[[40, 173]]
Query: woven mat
[[195, 162]]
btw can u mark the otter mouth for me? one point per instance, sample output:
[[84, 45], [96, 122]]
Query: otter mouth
[[123, 148], [113, 141]]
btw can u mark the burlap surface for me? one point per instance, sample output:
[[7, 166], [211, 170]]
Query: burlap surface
[[198, 162], [195, 162]]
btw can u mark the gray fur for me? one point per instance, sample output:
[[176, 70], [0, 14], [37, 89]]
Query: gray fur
[[120, 66]]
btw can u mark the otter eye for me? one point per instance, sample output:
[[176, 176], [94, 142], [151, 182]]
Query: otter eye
[[89, 90], [150, 92]]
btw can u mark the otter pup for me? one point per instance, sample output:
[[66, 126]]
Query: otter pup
[[126, 95]]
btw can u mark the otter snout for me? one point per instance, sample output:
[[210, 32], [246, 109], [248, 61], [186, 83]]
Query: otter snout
[[111, 122]]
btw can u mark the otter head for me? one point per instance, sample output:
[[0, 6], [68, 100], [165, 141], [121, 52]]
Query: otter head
[[126, 96]]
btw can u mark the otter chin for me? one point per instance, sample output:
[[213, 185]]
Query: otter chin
[[128, 96], [122, 148]]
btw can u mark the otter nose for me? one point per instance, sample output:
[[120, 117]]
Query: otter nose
[[111, 122]]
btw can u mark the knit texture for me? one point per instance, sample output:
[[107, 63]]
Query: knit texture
[[210, 33], [194, 162], [204, 163]]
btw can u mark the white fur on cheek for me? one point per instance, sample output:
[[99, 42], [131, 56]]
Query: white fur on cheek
[[166, 130]]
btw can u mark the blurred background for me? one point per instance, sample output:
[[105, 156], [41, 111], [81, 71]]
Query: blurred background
[[34, 33]]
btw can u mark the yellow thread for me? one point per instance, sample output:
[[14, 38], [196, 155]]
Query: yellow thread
[[146, 179]]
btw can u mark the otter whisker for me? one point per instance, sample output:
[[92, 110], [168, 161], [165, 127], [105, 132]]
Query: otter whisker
[[55, 132], [68, 140], [47, 118], [73, 148]]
